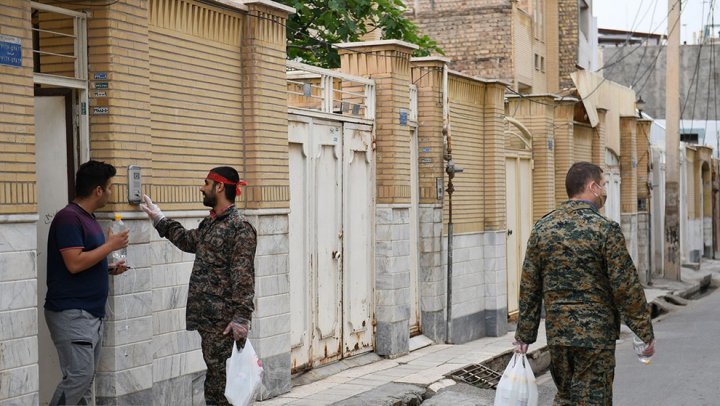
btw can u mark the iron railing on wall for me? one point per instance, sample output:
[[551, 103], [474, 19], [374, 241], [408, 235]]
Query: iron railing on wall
[[327, 91]]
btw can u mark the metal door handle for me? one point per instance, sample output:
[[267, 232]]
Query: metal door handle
[[336, 255]]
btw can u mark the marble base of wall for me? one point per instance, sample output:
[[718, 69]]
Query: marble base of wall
[[694, 246], [433, 325], [479, 294], [707, 237], [19, 378], [431, 273], [392, 339], [643, 238], [276, 375], [392, 279], [270, 332], [629, 224]]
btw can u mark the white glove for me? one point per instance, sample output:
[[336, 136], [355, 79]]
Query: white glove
[[152, 210]]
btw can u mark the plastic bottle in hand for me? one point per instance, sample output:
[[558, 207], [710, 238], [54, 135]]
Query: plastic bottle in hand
[[118, 227], [639, 346]]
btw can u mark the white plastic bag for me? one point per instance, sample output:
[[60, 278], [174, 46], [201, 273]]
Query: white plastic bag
[[244, 375], [517, 387]]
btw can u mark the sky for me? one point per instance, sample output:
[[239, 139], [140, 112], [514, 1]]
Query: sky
[[651, 16]]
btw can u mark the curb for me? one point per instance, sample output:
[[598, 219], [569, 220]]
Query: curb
[[659, 305]]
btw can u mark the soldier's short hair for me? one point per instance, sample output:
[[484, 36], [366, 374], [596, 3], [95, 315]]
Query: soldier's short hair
[[579, 174]]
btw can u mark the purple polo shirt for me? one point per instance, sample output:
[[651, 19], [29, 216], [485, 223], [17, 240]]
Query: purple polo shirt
[[73, 227]]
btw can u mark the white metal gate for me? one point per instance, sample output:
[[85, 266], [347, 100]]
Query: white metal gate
[[331, 246]]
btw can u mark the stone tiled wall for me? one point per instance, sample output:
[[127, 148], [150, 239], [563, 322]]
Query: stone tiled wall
[[148, 355], [629, 224], [18, 313], [432, 275], [643, 244], [628, 165], [479, 296], [271, 321], [392, 279]]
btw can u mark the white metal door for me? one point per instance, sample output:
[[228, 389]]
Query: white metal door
[[357, 239], [300, 257], [316, 241], [518, 189], [330, 226], [415, 327], [52, 187]]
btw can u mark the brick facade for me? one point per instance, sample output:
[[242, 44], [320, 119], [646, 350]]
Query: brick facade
[[474, 35], [17, 117], [568, 40]]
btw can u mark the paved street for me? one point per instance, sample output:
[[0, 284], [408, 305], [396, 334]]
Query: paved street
[[685, 369]]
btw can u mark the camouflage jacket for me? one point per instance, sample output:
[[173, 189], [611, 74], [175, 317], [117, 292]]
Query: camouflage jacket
[[578, 264], [222, 282]]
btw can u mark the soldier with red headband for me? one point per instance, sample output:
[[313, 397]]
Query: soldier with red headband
[[222, 283]]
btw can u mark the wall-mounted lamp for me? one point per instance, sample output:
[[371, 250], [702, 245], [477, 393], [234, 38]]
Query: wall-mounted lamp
[[639, 104]]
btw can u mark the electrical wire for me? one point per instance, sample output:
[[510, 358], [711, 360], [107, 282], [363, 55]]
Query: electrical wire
[[677, 3], [647, 42]]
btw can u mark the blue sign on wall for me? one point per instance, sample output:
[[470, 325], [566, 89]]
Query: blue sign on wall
[[10, 51]]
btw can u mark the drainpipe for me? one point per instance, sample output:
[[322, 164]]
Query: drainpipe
[[451, 169]]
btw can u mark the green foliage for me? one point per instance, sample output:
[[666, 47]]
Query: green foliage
[[317, 24]]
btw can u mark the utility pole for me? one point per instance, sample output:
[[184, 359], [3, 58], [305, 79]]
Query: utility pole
[[672, 144]]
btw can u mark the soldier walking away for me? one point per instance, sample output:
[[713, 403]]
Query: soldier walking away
[[222, 282], [78, 283], [578, 264]]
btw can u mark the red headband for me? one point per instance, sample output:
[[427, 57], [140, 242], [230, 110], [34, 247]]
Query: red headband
[[219, 178]]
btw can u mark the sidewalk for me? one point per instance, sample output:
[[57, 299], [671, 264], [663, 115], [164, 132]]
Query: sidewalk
[[410, 375]]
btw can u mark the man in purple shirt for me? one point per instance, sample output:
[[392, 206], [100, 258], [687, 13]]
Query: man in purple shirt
[[77, 279]]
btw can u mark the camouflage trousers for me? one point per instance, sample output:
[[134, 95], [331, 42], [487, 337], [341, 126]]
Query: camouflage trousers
[[583, 376], [216, 349]]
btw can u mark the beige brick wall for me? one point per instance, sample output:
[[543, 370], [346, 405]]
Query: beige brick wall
[[118, 46], [536, 113], [17, 117], [477, 132], [583, 142], [691, 179], [475, 35], [599, 142], [628, 165], [196, 105], [469, 151], [389, 66], [265, 113], [643, 158], [564, 147], [428, 77]]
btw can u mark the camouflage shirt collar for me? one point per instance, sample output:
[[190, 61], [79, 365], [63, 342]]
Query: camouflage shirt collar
[[222, 212], [579, 204]]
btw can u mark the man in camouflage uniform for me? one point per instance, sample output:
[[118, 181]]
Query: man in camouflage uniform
[[222, 282], [578, 264]]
